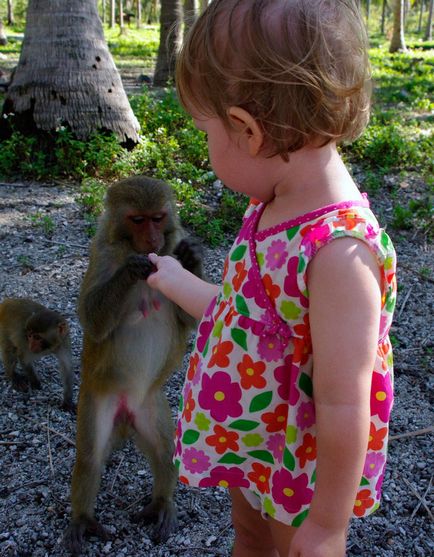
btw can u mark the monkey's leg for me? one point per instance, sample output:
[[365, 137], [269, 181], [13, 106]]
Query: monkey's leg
[[29, 372], [94, 429], [10, 360], [155, 438], [67, 376]]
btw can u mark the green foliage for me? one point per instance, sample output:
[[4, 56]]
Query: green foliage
[[417, 214], [45, 222]]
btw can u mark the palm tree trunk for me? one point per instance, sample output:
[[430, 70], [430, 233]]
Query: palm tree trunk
[[66, 75], [170, 39], [428, 32], [398, 42]]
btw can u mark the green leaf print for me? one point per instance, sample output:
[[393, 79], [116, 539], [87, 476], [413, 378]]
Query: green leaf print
[[292, 232], [364, 481], [300, 518], [217, 331], [177, 463], [384, 239], [291, 434], [240, 337], [205, 350], [269, 507], [388, 263], [288, 459], [305, 384], [238, 253], [202, 422], [241, 306], [231, 458], [261, 401], [390, 301], [252, 439], [313, 478], [227, 289], [262, 455], [244, 425], [290, 310], [190, 437], [260, 258], [301, 264]]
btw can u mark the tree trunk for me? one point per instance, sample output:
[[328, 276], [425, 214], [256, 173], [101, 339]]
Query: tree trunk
[[11, 19], [139, 14], [428, 32], [398, 42], [421, 10], [112, 13], [203, 4], [368, 13], [121, 17], [170, 39], [383, 16], [66, 75], [190, 14], [103, 11], [3, 38]]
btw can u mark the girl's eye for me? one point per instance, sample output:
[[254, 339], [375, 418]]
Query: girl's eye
[[137, 219]]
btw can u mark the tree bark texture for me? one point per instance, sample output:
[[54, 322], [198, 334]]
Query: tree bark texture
[[190, 14], [398, 42], [170, 40], [11, 18], [428, 32], [66, 74], [3, 38]]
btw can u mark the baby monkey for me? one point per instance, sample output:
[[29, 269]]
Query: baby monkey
[[29, 331]]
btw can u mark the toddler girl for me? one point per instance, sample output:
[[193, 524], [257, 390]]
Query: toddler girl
[[289, 389]]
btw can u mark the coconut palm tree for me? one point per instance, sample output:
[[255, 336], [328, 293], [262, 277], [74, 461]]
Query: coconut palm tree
[[398, 42], [170, 39], [66, 75]]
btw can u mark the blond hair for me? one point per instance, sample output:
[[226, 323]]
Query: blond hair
[[299, 67]]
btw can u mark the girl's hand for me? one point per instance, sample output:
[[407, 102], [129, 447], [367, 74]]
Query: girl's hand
[[168, 275], [314, 540]]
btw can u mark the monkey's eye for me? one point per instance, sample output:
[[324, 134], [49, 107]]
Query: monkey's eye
[[158, 218], [138, 219], [35, 336]]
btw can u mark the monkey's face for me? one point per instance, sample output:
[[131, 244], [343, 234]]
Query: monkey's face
[[37, 343], [146, 230]]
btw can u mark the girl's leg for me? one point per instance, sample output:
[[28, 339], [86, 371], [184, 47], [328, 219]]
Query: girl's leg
[[252, 533], [282, 536]]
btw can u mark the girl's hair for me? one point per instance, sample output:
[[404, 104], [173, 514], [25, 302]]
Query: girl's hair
[[300, 67]]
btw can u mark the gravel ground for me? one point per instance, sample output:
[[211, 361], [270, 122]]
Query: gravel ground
[[37, 437]]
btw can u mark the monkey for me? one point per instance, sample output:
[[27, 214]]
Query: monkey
[[28, 332], [133, 338]]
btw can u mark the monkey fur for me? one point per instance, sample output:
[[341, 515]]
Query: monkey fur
[[134, 338], [28, 332]]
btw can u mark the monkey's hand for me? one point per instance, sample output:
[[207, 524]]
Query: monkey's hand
[[139, 267], [189, 254]]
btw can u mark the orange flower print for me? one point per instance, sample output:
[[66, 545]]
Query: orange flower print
[[276, 420], [225, 268], [189, 406], [272, 290], [191, 372], [229, 316], [363, 502], [241, 273], [307, 451], [251, 373], [347, 219], [376, 437], [260, 475], [220, 353], [223, 440]]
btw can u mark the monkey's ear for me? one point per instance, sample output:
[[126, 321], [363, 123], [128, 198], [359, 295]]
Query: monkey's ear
[[62, 328], [243, 122]]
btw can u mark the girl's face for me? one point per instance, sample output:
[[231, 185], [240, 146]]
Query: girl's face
[[230, 160]]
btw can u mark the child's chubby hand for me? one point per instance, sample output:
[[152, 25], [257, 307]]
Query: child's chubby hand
[[169, 272], [315, 540]]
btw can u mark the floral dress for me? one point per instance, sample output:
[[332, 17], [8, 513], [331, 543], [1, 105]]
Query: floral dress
[[247, 415]]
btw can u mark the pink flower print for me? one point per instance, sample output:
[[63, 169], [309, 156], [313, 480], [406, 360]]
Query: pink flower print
[[252, 289], [276, 444], [291, 492], [374, 464], [220, 396], [270, 347], [290, 285], [276, 255], [225, 477], [381, 396], [210, 308], [178, 437], [316, 237], [197, 376], [246, 229], [204, 331], [370, 232], [195, 461], [287, 375], [379, 484], [305, 415]]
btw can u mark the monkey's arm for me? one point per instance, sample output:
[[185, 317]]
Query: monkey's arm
[[185, 289], [100, 305]]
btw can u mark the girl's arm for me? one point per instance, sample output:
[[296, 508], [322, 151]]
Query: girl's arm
[[344, 312], [185, 289]]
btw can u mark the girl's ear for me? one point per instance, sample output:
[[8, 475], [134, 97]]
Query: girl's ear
[[243, 122]]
